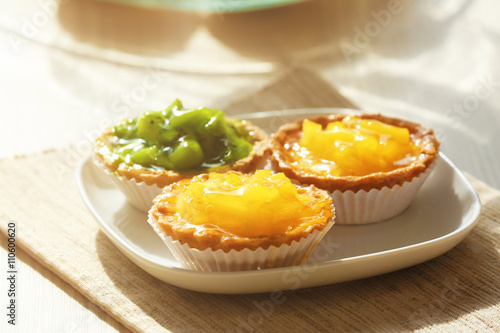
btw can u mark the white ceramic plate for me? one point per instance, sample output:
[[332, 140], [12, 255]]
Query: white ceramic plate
[[442, 214]]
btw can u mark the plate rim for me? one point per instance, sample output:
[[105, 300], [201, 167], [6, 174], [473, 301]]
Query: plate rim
[[206, 6]]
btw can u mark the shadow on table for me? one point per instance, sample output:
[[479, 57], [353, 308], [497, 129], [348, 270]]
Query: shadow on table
[[436, 292], [136, 30], [318, 30], [308, 30], [334, 30]]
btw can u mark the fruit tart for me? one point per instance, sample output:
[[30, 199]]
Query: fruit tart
[[372, 165], [232, 221], [146, 153]]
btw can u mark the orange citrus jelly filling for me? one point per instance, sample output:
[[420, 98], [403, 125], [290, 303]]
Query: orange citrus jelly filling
[[249, 206], [353, 147]]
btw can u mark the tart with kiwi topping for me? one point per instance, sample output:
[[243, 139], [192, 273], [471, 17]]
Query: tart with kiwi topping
[[357, 153], [233, 221], [161, 147]]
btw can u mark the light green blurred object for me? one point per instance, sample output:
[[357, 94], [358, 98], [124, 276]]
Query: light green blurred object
[[215, 6]]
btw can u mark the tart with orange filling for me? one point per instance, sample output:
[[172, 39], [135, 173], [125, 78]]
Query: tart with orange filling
[[358, 154], [232, 221]]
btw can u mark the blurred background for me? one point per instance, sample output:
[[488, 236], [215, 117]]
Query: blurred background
[[71, 67]]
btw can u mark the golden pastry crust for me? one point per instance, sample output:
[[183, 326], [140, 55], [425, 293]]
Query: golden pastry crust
[[201, 237], [290, 133], [255, 160]]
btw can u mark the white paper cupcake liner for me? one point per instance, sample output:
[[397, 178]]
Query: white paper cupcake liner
[[219, 261], [376, 205], [140, 195]]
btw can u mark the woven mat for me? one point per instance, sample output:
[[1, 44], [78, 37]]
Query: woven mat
[[458, 291]]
